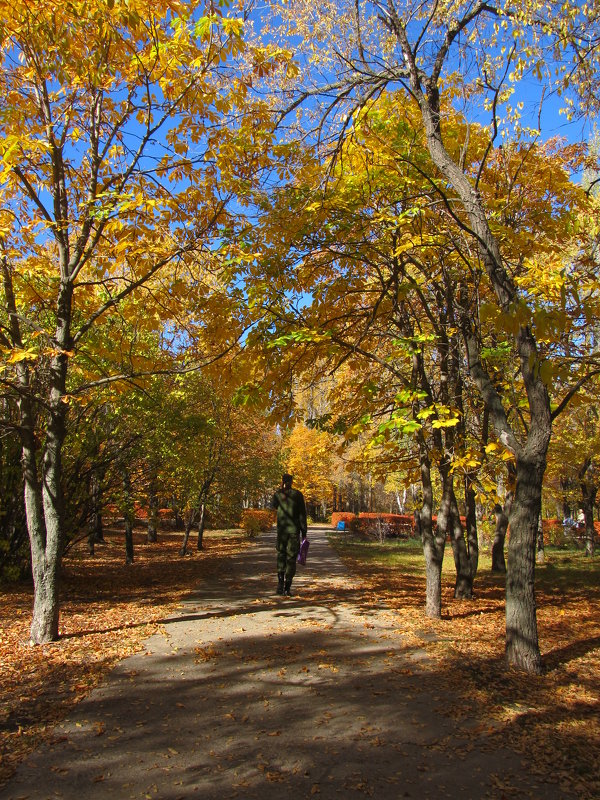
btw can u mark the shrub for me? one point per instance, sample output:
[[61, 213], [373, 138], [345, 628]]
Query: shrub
[[383, 525], [342, 516], [255, 520], [554, 533]]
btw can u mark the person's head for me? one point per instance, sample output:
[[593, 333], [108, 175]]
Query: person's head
[[286, 480]]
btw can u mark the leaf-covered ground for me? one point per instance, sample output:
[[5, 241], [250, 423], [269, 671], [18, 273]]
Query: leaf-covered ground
[[107, 610], [554, 719]]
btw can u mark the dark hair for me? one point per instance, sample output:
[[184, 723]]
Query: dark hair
[[286, 479]]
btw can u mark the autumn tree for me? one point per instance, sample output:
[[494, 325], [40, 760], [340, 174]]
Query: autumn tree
[[105, 189], [391, 280], [204, 452], [310, 459], [367, 252], [479, 52]]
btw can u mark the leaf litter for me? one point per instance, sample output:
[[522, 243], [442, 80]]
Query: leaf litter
[[107, 610], [552, 720]]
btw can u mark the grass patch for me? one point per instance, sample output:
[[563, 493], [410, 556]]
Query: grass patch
[[404, 553]]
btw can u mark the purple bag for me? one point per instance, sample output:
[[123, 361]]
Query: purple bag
[[303, 551]]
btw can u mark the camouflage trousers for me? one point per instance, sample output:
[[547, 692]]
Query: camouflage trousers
[[288, 546]]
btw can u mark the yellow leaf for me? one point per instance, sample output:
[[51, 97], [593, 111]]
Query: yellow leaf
[[22, 355]]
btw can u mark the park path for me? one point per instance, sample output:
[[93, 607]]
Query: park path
[[251, 695]]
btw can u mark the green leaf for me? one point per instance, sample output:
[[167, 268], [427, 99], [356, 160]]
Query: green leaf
[[203, 28]]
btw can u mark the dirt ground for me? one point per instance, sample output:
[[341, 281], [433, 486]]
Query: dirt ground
[[249, 695]]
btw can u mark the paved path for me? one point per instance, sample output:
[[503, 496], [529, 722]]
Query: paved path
[[250, 695]]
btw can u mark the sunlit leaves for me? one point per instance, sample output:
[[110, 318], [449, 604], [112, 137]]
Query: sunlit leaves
[[310, 459]]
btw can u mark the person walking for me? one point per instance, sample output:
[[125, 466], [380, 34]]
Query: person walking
[[291, 522]]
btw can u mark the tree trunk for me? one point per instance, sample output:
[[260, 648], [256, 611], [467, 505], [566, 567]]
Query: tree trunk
[[502, 517], [449, 525], [44, 542], [588, 500], [178, 522], [380, 531], [128, 540], [590, 542], [52, 490], [433, 543], [44, 624], [129, 517], [417, 524], [200, 543], [522, 649], [498, 560], [152, 535], [463, 587], [45, 561], [96, 529], [189, 524], [566, 505], [44, 521], [472, 538]]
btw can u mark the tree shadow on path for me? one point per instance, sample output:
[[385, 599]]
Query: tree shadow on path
[[250, 695]]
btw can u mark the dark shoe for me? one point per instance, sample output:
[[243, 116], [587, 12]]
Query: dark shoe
[[280, 583], [287, 591]]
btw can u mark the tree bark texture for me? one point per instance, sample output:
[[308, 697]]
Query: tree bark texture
[[449, 525], [472, 538], [540, 555], [44, 560], [44, 626], [463, 587], [433, 543], [45, 553], [201, 523], [178, 522], [41, 495], [52, 489], [522, 649], [502, 513], [190, 520], [566, 505], [152, 535], [498, 559], [96, 528], [588, 500], [128, 516]]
